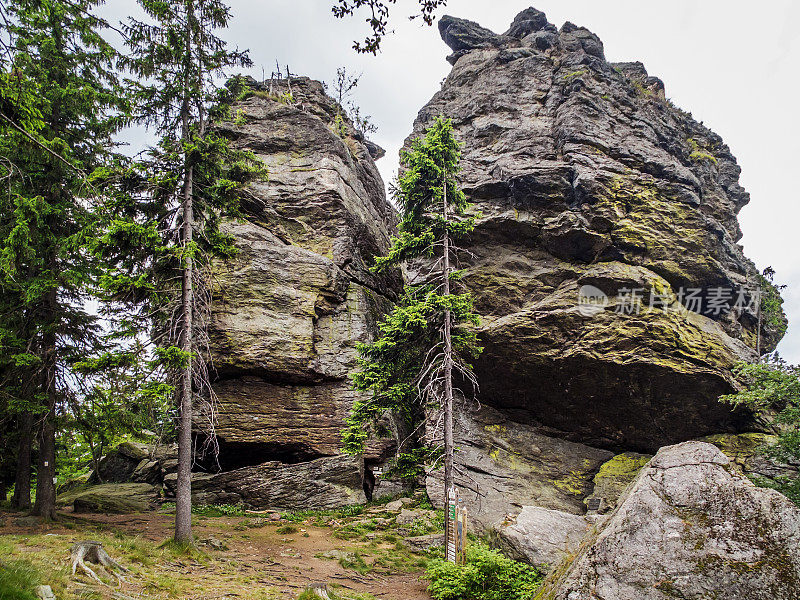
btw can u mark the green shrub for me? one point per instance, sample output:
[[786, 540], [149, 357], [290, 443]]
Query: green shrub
[[487, 575], [218, 510], [18, 579], [286, 529], [772, 389]]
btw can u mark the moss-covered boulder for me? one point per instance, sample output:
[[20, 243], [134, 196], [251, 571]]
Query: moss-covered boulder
[[690, 526], [118, 498]]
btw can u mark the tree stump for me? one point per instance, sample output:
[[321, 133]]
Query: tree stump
[[320, 590], [93, 552]]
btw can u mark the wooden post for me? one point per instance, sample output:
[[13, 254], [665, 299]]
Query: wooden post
[[451, 516], [463, 535]]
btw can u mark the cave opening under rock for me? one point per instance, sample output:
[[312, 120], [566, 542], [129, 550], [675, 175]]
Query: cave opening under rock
[[237, 455]]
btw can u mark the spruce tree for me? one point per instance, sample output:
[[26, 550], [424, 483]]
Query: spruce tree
[[424, 345], [60, 107], [163, 227]]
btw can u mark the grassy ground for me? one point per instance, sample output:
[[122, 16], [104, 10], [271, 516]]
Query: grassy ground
[[357, 552]]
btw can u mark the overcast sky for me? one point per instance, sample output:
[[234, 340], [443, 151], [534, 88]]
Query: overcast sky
[[731, 66]]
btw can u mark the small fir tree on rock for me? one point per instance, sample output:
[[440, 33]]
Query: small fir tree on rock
[[422, 355]]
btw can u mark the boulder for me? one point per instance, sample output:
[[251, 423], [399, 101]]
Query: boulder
[[543, 537], [118, 498], [290, 308], [503, 465], [118, 465], [590, 183], [320, 484], [412, 516], [423, 543], [134, 462], [692, 527], [148, 471]]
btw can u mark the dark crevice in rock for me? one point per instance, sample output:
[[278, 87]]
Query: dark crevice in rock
[[311, 378], [237, 455]]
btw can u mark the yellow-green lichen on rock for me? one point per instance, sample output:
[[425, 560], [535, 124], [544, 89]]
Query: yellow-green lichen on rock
[[613, 478]]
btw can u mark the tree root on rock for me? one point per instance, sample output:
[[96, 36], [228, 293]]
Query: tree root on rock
[[93, 552]]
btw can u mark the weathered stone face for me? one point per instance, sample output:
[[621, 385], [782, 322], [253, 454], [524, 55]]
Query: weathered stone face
[[289, 310], [319, 484], [585, 175], [503, 465], [690, 526]]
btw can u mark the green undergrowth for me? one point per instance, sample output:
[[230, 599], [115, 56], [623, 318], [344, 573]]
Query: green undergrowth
[[18, 579], [320, 517], [486, 575], [210, 510]]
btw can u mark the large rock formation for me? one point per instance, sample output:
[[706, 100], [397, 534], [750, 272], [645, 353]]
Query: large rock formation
[[607, 214], [290, 308], [690, 526], [586, 175], [323, 483]]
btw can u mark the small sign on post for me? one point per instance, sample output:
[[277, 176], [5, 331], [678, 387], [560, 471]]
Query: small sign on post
[[457, 528]]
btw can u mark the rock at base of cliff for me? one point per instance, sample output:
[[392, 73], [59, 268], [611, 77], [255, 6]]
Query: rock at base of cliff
[[134, 461], [613, 478], [117, 498], [690, 526], [543, 537], [503, 464], [320, 484]]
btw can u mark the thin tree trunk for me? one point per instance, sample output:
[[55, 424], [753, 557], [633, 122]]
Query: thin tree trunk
[[22, 484], [448, 375], [183, 490], [758, 334], [45, 505]]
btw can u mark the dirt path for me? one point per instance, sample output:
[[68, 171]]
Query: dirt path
[[250, 557]]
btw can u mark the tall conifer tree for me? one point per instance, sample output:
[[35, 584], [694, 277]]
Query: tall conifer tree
[[168, 229], [60, 106], [425, 343]]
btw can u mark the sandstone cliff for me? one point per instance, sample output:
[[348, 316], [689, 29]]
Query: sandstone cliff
[[290, 308], [586, 175]]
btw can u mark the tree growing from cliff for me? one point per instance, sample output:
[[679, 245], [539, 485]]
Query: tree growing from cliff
[[60, 104], [343, 87], [772, 388], [424, 345], [162, 228]]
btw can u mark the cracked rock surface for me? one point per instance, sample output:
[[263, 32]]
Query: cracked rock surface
[[690, 526], [290, 308]]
